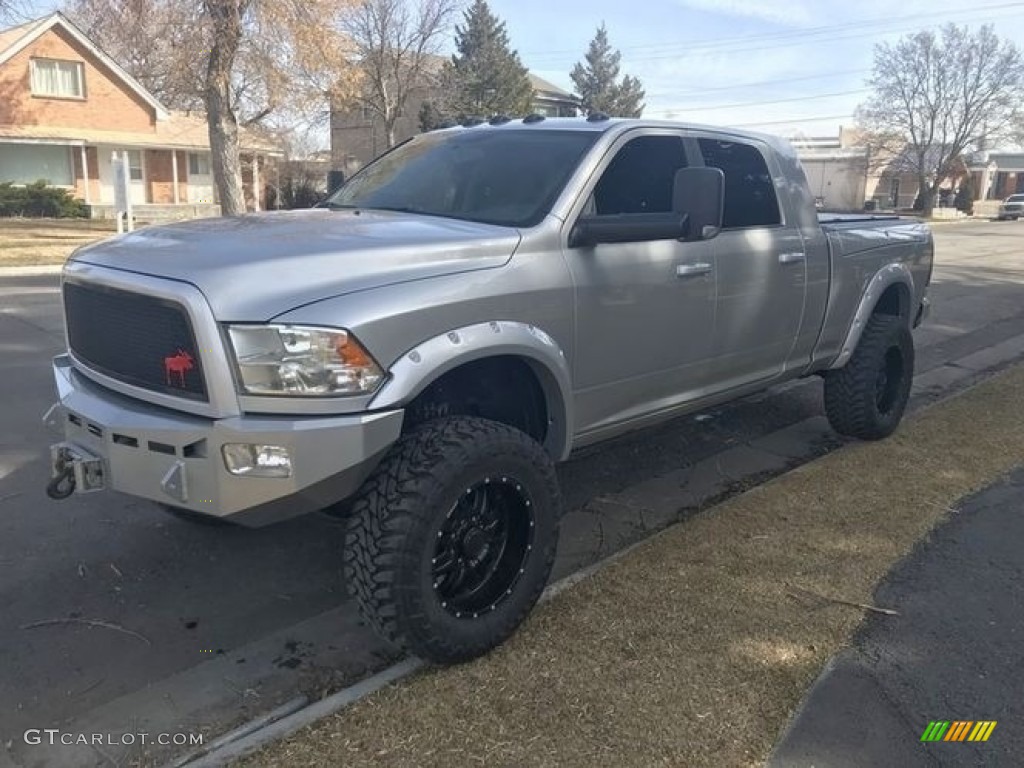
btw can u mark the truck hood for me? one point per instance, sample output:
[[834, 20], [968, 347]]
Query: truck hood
[[253, 268]]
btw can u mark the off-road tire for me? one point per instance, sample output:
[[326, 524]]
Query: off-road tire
[[861, 403], [397, 520]]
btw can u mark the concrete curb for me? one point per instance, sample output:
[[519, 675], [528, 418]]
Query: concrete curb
[[289, 718], [286, 726], [31, 271]]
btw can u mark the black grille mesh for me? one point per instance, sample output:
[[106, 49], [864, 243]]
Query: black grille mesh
[[140, 340]]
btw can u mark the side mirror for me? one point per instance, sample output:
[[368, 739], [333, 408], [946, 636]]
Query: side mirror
[[699, 195], [627, 228]]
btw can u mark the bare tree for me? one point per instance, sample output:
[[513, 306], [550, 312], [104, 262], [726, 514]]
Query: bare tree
[[226, 31], [396, 44], [15, 11], [937, 97], [248, 63], [159, 42]]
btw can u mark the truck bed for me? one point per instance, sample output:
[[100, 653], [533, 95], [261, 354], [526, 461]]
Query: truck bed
[[832, 220], [850, 233]]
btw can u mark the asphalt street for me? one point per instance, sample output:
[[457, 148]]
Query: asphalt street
[[211, 626], [953, 655]]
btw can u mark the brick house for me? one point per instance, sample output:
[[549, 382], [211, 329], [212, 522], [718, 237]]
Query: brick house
[[358, 135], [65, 107]]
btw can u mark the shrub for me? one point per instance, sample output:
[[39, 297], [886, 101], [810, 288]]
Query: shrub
[[965, 196], [298, 189], [39, 200]]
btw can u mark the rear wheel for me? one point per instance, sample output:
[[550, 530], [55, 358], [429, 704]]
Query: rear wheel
[[867, 397], [451, 541]]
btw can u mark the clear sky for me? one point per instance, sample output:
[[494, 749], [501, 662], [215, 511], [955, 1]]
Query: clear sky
[[727, 61], [783, 66]]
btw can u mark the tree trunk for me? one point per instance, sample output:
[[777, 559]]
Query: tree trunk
[[926, 193], [928, 198], [220, 114]]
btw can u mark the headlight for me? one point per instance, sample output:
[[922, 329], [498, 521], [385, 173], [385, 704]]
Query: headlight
[[298, 360]]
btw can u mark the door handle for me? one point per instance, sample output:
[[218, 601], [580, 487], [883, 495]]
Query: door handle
[[692, 270], [792, 258]]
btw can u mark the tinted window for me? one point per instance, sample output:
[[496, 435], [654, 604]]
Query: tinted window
[[749, 191], [640, 177], [507, 177], [1015, 199]]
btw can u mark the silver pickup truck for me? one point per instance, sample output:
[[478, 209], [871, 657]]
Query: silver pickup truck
[[460, 316]]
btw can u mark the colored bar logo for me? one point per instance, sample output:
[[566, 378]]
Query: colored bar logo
[[958, 730]]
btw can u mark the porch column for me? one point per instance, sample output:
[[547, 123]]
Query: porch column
[[85, 173], [255, 182], [174, 174]]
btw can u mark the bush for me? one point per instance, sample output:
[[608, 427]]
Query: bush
[[39, 200], [965, 196], [298, 190]]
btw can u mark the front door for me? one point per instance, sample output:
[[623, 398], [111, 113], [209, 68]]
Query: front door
[[136, 176], [200, 178], [644, 311], [762, 268]]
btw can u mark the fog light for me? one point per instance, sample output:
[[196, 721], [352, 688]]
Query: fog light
[[257, 460]]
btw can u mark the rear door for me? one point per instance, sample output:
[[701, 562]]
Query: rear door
[[761, 266]]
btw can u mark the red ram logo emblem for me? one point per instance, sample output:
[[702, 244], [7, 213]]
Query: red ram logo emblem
[[179, 364]]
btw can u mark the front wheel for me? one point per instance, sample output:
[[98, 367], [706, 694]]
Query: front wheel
[[451, 541], [866, 398]]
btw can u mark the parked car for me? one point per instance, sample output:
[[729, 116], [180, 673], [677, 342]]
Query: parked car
[[1011, 208], [459, 316]]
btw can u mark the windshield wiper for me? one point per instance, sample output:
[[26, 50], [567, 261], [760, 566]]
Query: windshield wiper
[[336, 206]]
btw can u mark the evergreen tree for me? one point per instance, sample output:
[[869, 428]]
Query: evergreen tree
[[598, 85], [485, 74], [431, 117]]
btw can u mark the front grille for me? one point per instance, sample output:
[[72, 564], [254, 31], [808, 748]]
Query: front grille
[[140, 340]]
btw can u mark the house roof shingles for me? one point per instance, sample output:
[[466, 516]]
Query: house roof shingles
[[546, 88], [178, 131], [172, 129]]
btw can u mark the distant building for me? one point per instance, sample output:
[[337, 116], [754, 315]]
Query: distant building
[[65, 107], [997, 175], [550, 100], [843, 174], [358, 136], [836, 168]]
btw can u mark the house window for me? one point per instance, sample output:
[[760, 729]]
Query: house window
[[52, 77], [198, 164], [29, 163], [134, 164]]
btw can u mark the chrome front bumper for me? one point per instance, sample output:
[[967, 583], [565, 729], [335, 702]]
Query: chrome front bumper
[[174, 458]]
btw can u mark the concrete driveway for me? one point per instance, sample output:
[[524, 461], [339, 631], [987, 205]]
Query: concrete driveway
[[198, 625]]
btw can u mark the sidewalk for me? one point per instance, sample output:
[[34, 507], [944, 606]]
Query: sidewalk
[[697, 647]]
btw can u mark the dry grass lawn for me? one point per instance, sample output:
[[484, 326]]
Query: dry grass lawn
[[696, 647], [34, 242]]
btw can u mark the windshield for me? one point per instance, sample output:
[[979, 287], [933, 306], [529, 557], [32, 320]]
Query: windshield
[[505, 177], [1015, 199]]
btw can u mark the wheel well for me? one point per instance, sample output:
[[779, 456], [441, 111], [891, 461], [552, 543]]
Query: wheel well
[[895, 301], [503, 389]]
